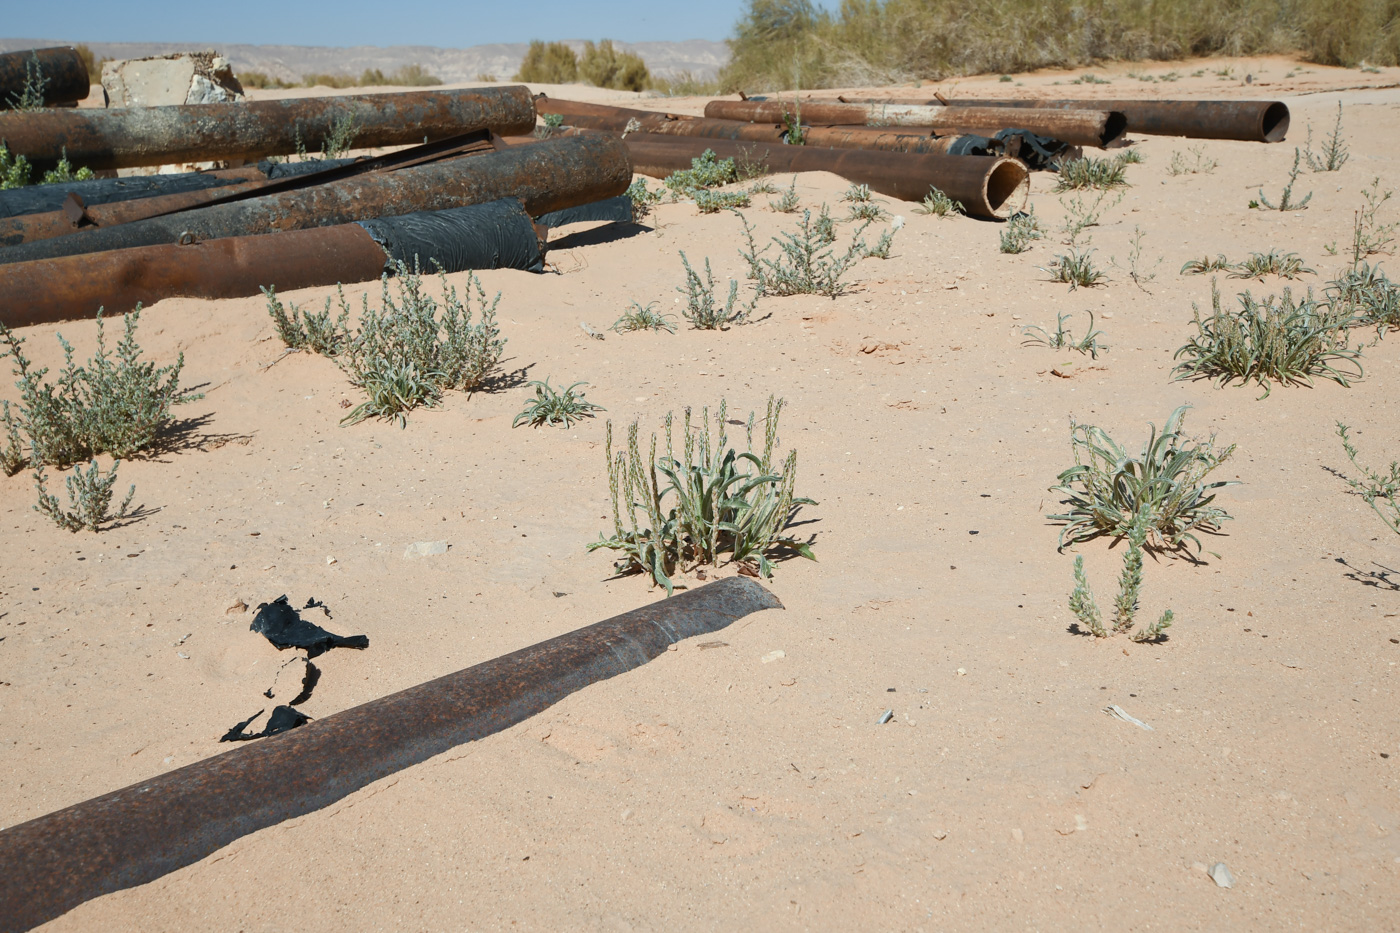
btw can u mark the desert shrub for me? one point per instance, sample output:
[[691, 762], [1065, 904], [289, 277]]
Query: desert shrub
[[807, 264], [1285, 201], [706, 171], [603, 65], [1086, 610], [1275, 339], [1021, 230], [940, 205], [701, 308], [684, 84], [1075, 269], [310, 330], [1102, 174], [1274, 262], [117, 406], [1380, 490], [639, 317], [1364, 293], [1063, 339], [1202, 266], [707, 506], [1163, 489], [15, 171], [1334, 151], [31, 93], [89, 498], [553, 406], [259, 79], [643, 199], [548, 63], [91, 62]]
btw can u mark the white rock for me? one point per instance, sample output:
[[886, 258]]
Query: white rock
[[1221, 875]]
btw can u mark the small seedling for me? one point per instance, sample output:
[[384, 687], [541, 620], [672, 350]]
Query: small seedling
[[89, 498], [1022, 229], [1199, 164], [867, 211], [550, 406], [709, 501], [1086, 609], [1334, 152], [788, 202], [856, 194], [881, 249], [1140, 275], [701, 309], [1381, 491], [1274, 262], [1270, 340], [1163, 490], [940, 205], [1075, 269], [1102, 174], [1063, 338], [1130, 157], [637, 317], [765, 186], [31, 95], [1202, 266], [794, 133], [1286, 202], [1080, 216]]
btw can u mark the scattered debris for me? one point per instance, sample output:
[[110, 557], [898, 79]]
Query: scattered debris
[[282, 625], [1117, 713], [424, 549], [773, 656], [1221, 875], [885, 717], [283, 719]]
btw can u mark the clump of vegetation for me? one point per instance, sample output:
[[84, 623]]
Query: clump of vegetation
[[638, 317], [548, 63], [1381, 491], [1285, 202], [789, 201], [1136, 271], [1364, 293], [1081, 215], [552, 406], [1271, 340], [643, 199], [89, 498], [1334, 152], [1202, 266], [1130, 157], [1086, 609], [806, 263], [1076, 268], [712, 202], [406, 353], [414, 75], [31, 94], [1370, 236], [1200, 164], [1063, 339], [940, 205], [16, 172], [706, 171], [1021, 230], [1102, 174], [704, 504], [602, 65], [1274, 262], [116, 406], [701, 308], [1162, 491], [685, 84]]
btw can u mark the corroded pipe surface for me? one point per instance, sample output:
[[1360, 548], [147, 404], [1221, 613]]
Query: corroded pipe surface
[[550, 176], [130, 136], [64, 74], [571, 110], [1077, 127], [1261, 121], [131, 836], [984, 185]]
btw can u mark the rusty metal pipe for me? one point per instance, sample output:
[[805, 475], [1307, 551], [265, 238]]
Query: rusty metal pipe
[[1261, 121], [1077, 127], [550, 176], [572, 110], [985, 185], [132, 136], [132, 836], [63, 71]]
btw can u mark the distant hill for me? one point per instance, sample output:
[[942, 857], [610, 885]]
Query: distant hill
[[700, 57]]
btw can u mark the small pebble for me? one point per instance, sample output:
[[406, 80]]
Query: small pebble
[[1221, 875]]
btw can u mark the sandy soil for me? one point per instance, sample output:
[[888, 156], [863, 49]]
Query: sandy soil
[[710, 790]]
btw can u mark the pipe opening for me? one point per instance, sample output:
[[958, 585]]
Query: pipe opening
[[1274, 122], [1114, 126], [1003, 181]]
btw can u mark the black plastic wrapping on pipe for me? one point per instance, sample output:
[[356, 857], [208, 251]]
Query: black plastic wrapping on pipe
[[42, 199], [614, 210], [494, 235]]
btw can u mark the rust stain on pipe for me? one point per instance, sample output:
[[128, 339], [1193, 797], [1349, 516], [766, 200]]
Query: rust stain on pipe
[[131, 136], [571, 110], [1262, 121], [131, 836], [63, 70], [985, 185], [550, 176], [1077, 127]]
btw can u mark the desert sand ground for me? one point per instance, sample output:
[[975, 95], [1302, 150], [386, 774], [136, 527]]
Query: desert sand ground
[[710, 790]]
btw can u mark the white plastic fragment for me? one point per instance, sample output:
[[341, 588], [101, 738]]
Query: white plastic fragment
[[773, 656], [425, 549], [1117, 713], [1221, 875], [885, 717]]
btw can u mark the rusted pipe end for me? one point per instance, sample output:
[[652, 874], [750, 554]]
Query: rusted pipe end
[[1273, 123], [1006, 178], [1115, 124]]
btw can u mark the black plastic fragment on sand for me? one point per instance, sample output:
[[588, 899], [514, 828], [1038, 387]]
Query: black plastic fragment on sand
[[282, 625], [283, 719], [613, 210], [494, 235]]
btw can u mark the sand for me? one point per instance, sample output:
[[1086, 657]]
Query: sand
[[708, 789]]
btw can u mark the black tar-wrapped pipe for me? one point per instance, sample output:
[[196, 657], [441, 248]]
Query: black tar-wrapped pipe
[[549, 175], [63, 74], [131, 836]]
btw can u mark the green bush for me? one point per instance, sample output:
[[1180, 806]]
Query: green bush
[[602, 65], [548, 63]]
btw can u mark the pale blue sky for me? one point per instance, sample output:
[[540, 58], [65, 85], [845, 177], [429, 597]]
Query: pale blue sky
[[362, 22]]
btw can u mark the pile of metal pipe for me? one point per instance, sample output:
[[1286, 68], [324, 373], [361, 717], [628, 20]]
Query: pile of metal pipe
[[135, 835], [1263, 121], [64, 76], [1078, 127], [986, 186], [249, 130], [549, 176]]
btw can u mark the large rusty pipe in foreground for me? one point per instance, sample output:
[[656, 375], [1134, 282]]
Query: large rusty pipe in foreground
[[984, 185], [1260, 121], [64, 75], [132, 836], [1098, 127], [131, 136], [550, 176]]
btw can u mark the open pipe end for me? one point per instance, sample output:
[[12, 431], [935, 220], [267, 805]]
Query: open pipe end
[[1003, 182], [1114, 126], [1273, 125]]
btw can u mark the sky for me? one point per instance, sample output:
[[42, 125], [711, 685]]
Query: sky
[[362, 22]]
